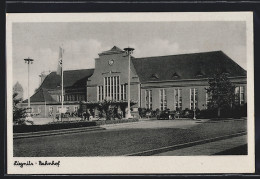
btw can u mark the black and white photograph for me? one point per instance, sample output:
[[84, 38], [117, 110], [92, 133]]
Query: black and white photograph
[[130, 93]]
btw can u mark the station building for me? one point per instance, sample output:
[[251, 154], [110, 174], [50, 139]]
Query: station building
[[160, 82]]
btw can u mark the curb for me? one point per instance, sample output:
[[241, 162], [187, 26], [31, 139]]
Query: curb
[[55, 132], [180, 146], [119, 124]]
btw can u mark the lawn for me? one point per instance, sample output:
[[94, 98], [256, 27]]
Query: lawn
[[120, 142]]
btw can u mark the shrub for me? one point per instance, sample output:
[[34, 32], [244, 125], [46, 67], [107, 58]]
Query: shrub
[[116, 121], [186, 113], [227, 112], [53, 126], [142, 112]]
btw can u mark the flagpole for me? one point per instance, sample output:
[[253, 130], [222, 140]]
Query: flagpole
[[61, 84], [45, 108]]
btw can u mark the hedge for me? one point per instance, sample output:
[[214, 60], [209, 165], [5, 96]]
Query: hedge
[[66, 125], [53, 126], [116, 121]]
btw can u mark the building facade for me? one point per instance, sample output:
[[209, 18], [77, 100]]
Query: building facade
[[174, 81]]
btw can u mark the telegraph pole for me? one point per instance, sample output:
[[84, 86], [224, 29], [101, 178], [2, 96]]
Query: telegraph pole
[[129, 51], [29, 61]]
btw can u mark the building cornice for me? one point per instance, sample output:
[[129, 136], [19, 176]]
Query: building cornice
[[185, 80]]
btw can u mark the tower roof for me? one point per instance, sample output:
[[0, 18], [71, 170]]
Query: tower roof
[[71, 78], [114, 50]]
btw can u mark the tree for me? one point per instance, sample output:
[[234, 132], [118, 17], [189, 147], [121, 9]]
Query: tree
[[103, 107], [221, 92], [18, 112]]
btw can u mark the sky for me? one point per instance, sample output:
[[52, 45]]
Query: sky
[[83, 41]]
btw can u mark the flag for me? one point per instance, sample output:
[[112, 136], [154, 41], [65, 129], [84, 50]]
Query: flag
[[59, 69]]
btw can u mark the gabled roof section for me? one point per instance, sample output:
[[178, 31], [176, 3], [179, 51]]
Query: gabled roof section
[[186, 66], [71, 78], [114, 50], [41, 95]]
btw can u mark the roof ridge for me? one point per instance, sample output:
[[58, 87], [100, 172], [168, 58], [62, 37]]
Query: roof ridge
[[80, 69], [179, 54]]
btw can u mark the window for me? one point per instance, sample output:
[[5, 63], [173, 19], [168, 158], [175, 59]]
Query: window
[[39, 109], [58, 109], [117, 85], [83, 98], [240, 95], [178, 98], [100, 94], [193, 98], [59, 98], [76, 108], [163, 100], [207, 99], [123, 92], [148, 99], [111, 91]]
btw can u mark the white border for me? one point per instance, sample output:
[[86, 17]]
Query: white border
[[136, 165]]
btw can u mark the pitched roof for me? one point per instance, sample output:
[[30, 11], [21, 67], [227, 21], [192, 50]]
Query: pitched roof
[[114, 50], [185, 66], [41, 95], [71, 78]]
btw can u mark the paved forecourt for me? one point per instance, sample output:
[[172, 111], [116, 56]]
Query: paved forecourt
[[124, 139], [210, 148], [149, 124]]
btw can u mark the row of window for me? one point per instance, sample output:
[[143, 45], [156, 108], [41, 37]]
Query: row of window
[[74, 97], [75, 109], [112, 89], [239, 94]]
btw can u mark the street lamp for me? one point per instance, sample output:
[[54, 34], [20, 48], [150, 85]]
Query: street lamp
[[129, 51], [28, 61], [194, 105]]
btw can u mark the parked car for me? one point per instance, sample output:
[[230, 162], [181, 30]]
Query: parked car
[[165, 115]]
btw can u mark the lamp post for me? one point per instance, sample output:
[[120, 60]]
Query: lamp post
[[28, 61], [194, 105], [129, 51]]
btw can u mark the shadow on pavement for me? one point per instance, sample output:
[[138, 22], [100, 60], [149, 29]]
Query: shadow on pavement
[[240, 150]]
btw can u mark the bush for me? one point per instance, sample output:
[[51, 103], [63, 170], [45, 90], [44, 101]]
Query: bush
[[186, 113], [116, 121], [226, 112], [54, 126], [142, 112]]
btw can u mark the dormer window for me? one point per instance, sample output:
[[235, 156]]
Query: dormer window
[[175, 75], [155, 76], [224, 71], [199, 74]]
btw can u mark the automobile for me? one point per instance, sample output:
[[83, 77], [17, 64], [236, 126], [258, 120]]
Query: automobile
[[165, 115]]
